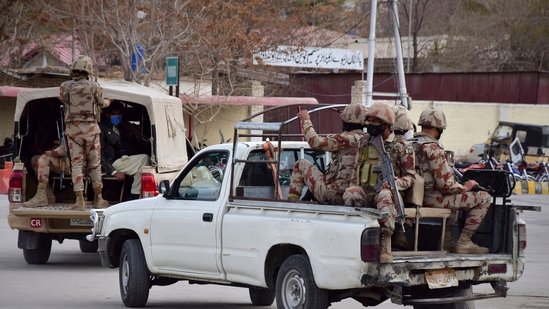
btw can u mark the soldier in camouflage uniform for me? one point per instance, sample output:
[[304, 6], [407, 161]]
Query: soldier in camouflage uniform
[[328, 188], [380, 119], [83, 99], [54, 160], [441, 189]]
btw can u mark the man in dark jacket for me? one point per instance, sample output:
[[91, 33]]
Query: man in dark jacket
[[123, 151]]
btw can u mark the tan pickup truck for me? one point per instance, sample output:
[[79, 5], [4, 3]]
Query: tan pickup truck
[[37, 119]]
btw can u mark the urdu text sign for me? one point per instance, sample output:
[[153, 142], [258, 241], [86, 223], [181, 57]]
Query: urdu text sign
[[311, 57]]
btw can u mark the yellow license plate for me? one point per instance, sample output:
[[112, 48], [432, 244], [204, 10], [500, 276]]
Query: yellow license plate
[[441, 278]]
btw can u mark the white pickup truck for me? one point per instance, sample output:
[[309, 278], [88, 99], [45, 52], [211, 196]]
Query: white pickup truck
[[224, 220]]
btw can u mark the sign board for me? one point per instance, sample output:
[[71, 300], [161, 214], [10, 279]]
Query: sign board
[[172, 71], [311, 57]]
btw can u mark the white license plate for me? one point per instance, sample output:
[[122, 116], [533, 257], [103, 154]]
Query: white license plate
[[81, 222], [442, 278]]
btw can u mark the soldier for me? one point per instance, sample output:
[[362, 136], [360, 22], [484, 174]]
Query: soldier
[[54, 160], [123, 149], [380, 119], [329, 187], [441, 189], [83, 99]]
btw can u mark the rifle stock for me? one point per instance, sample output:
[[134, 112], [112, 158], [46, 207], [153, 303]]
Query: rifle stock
[[63, 142], [388, 174]]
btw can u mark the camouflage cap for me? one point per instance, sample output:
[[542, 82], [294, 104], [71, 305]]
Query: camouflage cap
[[382, 112], [403, 122], [82, 64], [433, 117], [354, 113]]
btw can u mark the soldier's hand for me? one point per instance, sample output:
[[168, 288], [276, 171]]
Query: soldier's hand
[[119, 176], [469, 185], [303, 115]]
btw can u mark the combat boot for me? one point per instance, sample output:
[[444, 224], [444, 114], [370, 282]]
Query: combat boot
[[293, 197], [80, 202], [385, 255], [465, 245], [40, 198], [98, 201], [50, 195]]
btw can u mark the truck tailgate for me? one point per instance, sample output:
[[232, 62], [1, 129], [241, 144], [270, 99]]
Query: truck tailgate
[[59, 210]]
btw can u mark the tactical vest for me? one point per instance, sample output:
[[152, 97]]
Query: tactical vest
[[80, 101]]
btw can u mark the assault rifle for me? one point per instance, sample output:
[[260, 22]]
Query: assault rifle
[[63, 142], [388, 174]]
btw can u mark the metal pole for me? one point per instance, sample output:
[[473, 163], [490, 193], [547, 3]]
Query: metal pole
[[400, 65], [371, 56], [409, 35]]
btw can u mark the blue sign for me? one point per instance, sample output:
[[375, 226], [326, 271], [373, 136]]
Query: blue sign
[[172, 71]]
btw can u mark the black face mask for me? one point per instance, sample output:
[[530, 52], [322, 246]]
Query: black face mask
[[374, 130], [439, 130]]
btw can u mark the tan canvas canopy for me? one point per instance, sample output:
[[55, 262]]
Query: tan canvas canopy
[[165, 113]]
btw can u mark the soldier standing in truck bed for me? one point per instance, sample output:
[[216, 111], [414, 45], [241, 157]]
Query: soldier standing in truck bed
[[83, 99]]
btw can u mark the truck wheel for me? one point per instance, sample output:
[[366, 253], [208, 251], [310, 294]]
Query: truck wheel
[[261, 296], [41, 254], [296, 287], [133, 275], [87, 246]]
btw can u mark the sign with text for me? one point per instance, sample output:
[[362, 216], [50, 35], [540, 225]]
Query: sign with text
[[311, 57], [172, 71]]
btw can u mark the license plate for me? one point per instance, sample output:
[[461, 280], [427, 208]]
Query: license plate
[[81, 222], [442, 278]]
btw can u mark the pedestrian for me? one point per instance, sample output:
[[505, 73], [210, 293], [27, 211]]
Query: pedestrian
[[367, 191], [83, 99], [328, 187], [124, 152], [441, 188]]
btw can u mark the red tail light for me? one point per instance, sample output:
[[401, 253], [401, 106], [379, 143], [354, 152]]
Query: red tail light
[[522, 238], [148, 185], [15, 190], [369, 245]]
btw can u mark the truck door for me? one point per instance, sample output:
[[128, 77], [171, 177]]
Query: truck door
[[184, 227]]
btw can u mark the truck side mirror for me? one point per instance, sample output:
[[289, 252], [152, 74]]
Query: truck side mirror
[[164, 186]]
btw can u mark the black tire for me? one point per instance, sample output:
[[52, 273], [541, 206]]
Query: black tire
[[296, 287], [261, 296], [41, 254], [87, 246], [133, 276]]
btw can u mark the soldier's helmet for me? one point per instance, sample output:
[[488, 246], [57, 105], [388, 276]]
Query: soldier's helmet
[[354, 113], [382, 112], [82, 65], [432, 117], [403, 122]]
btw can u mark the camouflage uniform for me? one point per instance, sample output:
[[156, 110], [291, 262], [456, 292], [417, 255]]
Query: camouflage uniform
[[83, 99], [52, 160], [328, 188], [441, 189]]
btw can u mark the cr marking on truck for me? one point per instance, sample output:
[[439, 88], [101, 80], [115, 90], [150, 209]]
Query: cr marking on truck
[[36, 222]]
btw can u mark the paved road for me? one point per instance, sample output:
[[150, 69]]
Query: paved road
[[72, 279]]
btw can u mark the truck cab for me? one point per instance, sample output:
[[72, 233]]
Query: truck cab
[[38, 127]]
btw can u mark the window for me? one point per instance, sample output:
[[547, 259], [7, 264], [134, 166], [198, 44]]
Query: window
[[203, 178]]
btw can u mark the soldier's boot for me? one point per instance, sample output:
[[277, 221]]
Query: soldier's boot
[[50, 195], [40, 198], [80, 201], [293, 197], [98, 201], [400, 241], [385, 255], [449, 242], [465, 245]]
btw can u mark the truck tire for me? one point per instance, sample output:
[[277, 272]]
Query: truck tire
[[296, 287], [133, 276], [87, 246], [41, 254], [262, 296]]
